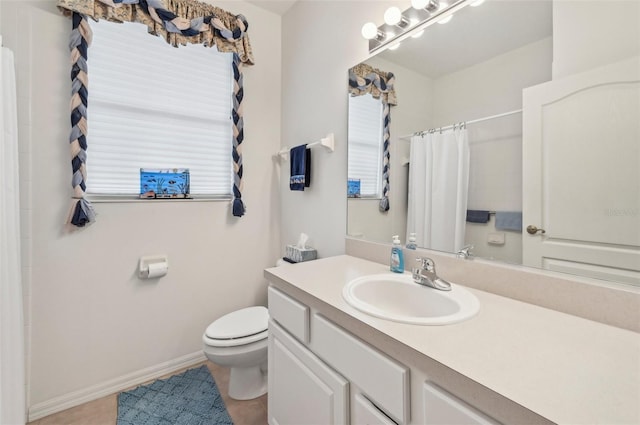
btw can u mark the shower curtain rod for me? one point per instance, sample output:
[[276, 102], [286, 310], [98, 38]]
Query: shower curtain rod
[[449, 127]]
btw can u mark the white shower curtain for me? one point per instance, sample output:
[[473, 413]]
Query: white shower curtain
[[12, 369], [438, 186]]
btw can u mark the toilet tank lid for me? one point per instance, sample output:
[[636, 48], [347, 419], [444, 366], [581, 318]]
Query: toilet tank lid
[[239, 324]]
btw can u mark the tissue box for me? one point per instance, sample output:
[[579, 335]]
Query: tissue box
[[299, 255]]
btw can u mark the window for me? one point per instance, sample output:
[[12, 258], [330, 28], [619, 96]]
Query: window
[[365, 144], [154, 106]]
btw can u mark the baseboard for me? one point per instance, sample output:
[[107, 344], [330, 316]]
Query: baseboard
[[76, 398]]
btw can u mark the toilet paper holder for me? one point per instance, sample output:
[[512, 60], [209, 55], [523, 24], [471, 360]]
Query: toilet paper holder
[[153, 266]]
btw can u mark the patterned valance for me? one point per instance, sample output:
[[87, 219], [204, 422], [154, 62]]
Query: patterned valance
[[177, 21], [364, 79]]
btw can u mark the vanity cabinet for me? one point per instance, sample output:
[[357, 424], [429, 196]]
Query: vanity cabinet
[[512, 363], [321, 374]]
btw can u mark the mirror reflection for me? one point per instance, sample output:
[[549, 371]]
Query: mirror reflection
[[456, 134]]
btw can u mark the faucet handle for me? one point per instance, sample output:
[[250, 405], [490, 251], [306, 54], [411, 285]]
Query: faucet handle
[[465, 251], [426, 264]]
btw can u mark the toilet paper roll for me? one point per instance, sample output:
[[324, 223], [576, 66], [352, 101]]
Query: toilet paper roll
[[157, 270]]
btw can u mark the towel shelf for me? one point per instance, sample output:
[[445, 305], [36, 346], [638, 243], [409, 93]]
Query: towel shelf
[[328, 142]]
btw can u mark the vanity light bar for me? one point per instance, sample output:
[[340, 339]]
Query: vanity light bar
[[411, 22]]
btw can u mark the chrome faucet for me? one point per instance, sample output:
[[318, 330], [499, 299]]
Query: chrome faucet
[[465, 252], [426, 275]]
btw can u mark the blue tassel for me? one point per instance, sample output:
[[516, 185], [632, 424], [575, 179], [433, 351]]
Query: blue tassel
[[238, 207], [79, 218]]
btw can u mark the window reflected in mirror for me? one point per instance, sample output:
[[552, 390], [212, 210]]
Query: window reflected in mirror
[[365, 147]]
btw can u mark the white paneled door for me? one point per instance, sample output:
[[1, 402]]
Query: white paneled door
[[581, 173]]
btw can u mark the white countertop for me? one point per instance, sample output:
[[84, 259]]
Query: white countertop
[[564, 368]]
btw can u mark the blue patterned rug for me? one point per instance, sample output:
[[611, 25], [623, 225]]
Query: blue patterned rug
[[190, 398]]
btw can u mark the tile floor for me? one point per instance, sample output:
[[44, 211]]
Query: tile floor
[[104, 410]]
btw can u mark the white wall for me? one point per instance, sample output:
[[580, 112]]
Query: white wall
[[592, 33], [491, 87], [90, 319], [495, 176], [320, 41]]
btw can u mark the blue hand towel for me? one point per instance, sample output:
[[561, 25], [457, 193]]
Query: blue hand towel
[[509, 220], [300, 158], [477, 216]]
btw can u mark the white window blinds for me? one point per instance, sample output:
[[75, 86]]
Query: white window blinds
[[365, 144], [154, 106]]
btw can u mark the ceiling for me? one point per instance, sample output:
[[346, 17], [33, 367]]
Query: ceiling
[[279, 7], [474, 35]]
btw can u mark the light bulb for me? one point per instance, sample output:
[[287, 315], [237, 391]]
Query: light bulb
[[418, 34], [369, 30], [394, 46], [445, 20], [392, 16], [477, 3]]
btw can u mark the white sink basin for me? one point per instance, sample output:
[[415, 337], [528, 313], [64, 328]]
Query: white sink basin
[[398, 298]]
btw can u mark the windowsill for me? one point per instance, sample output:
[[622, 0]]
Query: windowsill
[[117, 199], [364, 198]]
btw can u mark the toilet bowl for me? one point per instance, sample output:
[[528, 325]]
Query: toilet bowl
[[238, 340]]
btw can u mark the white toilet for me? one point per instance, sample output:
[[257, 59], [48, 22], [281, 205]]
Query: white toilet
[[239, 340]]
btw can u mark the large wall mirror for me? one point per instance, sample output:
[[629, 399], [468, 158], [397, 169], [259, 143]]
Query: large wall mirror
[[461, 172]]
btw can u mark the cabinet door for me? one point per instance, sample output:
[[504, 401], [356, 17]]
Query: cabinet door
[[302, 389], [442, 408]]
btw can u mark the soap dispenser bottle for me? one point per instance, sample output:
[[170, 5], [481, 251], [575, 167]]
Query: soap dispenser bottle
[[397, 257], [411, 243]]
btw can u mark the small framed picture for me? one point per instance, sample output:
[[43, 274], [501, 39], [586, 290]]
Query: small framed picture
[[171, 183], [353, 188]]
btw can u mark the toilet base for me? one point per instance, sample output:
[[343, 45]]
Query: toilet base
[[246, 383]]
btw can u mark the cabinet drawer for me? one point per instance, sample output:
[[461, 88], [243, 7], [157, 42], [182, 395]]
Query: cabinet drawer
[[365, 413], [382, 379], [289, 313], [443, 408]]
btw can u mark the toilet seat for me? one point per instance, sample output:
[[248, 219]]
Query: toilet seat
[[238, 328]]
